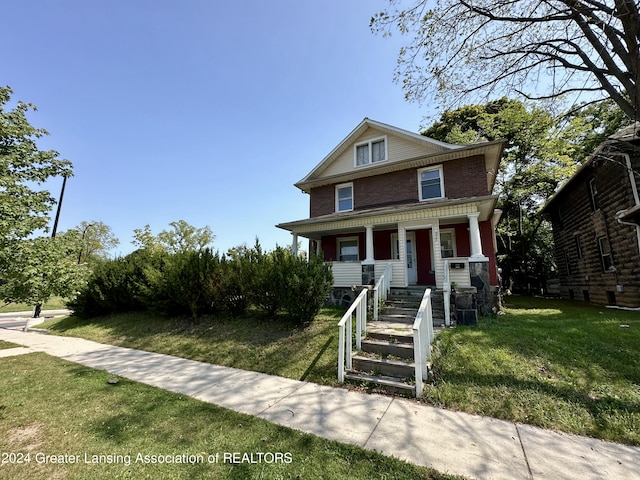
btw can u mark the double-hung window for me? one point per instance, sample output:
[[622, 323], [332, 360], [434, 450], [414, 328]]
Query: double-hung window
[[605, 254], [430, 183], [372, 151], [593, 194], [348, 249], [447, 243], [344, 197]]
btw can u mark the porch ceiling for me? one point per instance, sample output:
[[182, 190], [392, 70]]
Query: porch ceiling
[[435, 211]]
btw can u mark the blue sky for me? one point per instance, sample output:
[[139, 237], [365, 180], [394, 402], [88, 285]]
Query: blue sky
[[198, 110]]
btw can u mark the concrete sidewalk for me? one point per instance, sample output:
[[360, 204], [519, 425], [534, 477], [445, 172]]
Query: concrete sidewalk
[[450, 442]]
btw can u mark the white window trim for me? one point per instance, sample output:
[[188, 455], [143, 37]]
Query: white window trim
[[369, 143], [339, 240], [338, 187], [453, 239], [427, 169]]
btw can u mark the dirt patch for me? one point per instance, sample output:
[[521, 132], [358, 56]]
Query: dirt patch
[[26, 437]]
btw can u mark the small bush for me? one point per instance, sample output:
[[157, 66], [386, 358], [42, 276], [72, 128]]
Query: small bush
[[308, 285]]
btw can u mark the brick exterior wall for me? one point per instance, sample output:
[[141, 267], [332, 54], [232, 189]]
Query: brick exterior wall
[[462, 179], [582, 275], [465, 178]]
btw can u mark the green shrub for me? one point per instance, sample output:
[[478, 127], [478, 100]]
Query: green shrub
[[307, 286], [114, 286], [185, 283], [194, 283]]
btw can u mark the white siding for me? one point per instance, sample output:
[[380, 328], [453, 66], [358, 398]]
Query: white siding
[[397, 148], [346, 274]]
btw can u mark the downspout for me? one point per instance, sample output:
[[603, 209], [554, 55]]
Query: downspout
[[634, 190]]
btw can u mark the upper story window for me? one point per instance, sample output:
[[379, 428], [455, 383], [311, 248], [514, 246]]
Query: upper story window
[[344, 197], [373, 151], [430, 183], [593, 194]]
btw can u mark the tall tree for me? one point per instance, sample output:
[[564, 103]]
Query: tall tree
[[182, 237], [25, 205], [540, 49], [97, 240], [537, 157]]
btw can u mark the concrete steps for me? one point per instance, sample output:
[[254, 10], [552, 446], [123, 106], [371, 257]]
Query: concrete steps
[[387, 355]]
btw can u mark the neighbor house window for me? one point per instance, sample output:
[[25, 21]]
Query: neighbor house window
[[447, 243], [578, 243], [371, 152], [348, 249], [593, 194], [430, 182], [567, 261], [344, 197], [605, 254]]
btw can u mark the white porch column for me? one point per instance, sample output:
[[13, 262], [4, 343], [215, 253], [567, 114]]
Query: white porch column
[[318, 247], [294, 245], [369, 237], [437, 255], [402, 253], [474, 236]]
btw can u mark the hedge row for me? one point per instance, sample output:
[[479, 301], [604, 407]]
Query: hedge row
[[204, 282]]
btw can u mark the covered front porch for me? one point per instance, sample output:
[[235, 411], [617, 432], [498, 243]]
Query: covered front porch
[[425, 246]]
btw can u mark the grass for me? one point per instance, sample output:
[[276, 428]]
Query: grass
[[4, 344], [561, 365], [250, 342], [55, 303], [556, 364], [51, 409]]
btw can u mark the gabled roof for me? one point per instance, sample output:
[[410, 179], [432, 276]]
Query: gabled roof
[[607, 147], [435, 151]]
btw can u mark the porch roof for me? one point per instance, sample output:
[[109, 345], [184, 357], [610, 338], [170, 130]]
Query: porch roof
[[388, 215]]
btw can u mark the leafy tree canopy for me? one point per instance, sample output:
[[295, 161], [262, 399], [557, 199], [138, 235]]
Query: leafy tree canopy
[[471, 49], [182, 237], [540, 154], [31, 269], [97, 240]]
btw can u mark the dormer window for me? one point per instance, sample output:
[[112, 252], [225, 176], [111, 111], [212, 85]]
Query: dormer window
[[344, 197], [373, 151], [430, 183]]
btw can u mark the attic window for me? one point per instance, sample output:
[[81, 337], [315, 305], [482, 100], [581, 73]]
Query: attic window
[[373, 151]]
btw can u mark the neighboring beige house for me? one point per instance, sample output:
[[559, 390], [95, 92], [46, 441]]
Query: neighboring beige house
[[386, 195]]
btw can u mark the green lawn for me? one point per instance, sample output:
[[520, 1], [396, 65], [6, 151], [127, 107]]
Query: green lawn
[[556, 364], [4, 345], [53, 410], [561, 365], [55, 303], [250, 342]]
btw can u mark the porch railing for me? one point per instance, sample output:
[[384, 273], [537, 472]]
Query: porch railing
[[446, 294], [382, 289], [422, 338], [345, 332]]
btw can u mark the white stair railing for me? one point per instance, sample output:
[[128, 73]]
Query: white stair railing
[[422, 339], [382, 289], [446, 294], [345, 332]]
